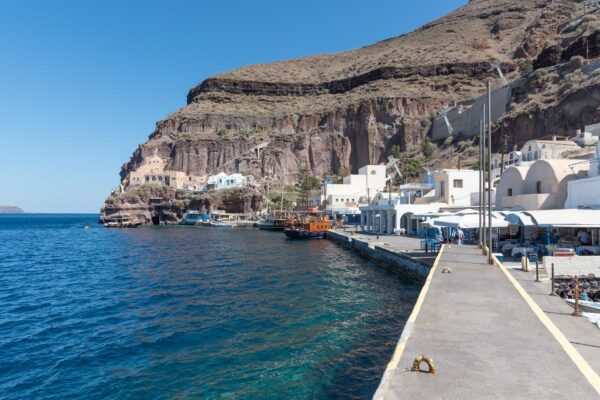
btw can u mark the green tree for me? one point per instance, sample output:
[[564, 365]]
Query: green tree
[[395, 151], [427, 149], [412, 168]]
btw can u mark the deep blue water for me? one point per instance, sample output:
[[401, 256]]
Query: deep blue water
[[184, 312]]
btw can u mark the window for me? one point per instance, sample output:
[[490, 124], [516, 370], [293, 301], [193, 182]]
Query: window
[[529, 149], [538, 186], [458, 183], [373, 172], [509, 192], [442, 189], [535, 155]]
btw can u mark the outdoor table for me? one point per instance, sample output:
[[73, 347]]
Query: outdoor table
[[508, 246], [521, 250], [590, 249]]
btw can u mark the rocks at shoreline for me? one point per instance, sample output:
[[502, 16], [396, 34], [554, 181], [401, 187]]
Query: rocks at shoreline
[[160, 204], [565, 285]]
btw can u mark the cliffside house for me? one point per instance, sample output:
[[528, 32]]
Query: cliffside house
[[152, 171], [224, 181]]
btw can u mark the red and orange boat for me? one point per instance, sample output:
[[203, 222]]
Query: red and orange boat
[[307, 228]]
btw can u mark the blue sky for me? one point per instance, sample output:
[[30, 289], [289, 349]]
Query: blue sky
[[82, 83]]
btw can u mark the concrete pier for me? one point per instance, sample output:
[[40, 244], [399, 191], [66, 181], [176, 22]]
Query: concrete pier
[[485, 339], [491, 336]]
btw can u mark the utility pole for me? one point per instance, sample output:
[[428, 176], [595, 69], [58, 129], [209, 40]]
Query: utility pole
[[504, 151], [480, 182], [483, 159], [268, 180], [489, 168]]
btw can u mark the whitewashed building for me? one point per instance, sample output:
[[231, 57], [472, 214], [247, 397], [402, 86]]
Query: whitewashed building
[[453, 190], [224, 181], [354, 189], [541, 185], [585, 193]]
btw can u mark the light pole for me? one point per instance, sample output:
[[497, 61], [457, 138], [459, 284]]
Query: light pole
[[489, 171]]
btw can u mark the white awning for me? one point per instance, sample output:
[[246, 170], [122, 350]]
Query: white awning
[[567, 218], [469, 221]]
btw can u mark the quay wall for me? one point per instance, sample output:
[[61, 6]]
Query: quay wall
[[576, 265], [404, 264]]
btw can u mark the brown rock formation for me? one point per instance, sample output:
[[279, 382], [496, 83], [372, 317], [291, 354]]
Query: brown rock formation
[[340, 111]]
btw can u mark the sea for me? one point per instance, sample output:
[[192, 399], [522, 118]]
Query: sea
[[178, 312]]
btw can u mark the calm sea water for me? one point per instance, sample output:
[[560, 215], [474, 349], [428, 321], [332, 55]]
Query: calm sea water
[[184, 312]]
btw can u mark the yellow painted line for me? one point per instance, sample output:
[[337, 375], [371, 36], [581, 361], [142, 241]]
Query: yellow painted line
[[408, 327], [579, 361]]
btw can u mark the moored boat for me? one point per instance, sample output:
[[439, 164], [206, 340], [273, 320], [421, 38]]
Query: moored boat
[[585, 305], [313, 228], [194, 218], [272, 222]]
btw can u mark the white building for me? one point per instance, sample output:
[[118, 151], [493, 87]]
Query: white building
[[585, 193], [514, 158], [224, 181], [452, 187], [453, 190], [553, 149], [355, 189], [541, 185]]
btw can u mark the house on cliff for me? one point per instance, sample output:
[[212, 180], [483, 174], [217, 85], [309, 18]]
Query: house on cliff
[[153, 171]]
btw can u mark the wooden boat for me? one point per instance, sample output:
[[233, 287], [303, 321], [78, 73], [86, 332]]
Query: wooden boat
[[585, 305], [272, 222], [312, 228]]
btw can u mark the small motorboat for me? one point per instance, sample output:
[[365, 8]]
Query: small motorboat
[[585, 305]]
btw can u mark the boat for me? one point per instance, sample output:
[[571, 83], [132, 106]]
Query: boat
[[222, 224], [194, 218], [121, 223], [311, 228], [272, 222], [585, 305]]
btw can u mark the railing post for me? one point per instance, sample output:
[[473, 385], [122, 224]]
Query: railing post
[[576, 311], [537, 270], [552, 293]]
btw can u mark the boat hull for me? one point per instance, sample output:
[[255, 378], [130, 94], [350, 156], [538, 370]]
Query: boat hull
[[585, 306], [303, 234], [269, 227]]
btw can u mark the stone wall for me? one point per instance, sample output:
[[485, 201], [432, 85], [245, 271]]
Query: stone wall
[[571, 266], [401, 263]]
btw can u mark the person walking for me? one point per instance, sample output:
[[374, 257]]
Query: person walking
[[461, 236]]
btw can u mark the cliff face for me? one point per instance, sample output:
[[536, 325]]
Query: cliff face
[[341, 111], [337, 112]]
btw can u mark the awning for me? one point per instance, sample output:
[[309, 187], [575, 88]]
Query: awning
[[567, 218], [469, 221], [519, 218]]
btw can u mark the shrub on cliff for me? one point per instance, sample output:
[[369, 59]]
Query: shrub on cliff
[[222, 132]]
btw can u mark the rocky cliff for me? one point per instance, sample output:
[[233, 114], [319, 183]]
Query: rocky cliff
[[337, 112]]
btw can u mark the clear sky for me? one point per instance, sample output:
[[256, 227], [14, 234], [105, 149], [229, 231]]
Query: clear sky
[[82, 83]]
